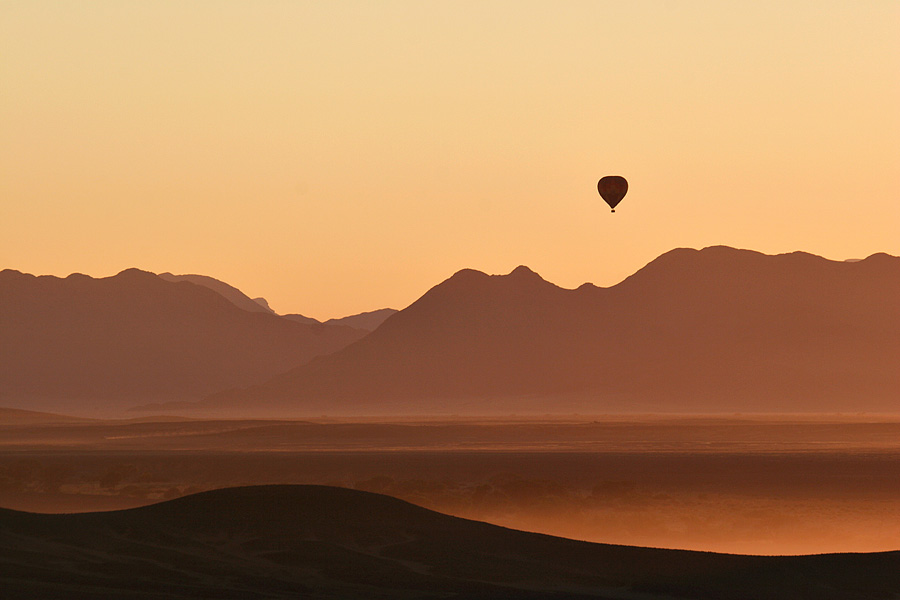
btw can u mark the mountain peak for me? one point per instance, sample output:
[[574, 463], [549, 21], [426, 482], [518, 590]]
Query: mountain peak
[[130, 274], [134, 271], [264, 303], [713, 262], [469, 274], [470, 279], [523, 272], [464, 278], [12, 274], [879, 258]]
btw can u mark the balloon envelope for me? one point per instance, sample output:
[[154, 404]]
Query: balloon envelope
[[612, 188]]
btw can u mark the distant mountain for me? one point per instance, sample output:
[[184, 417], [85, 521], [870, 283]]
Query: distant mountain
[[302, 319], [324, 542], [79, 343], [716, 330], [366, 321], [369, 321], [15, 416], [236, 296], [265, 304]]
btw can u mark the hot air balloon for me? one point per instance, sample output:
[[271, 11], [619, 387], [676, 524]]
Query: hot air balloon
[[612, 188]]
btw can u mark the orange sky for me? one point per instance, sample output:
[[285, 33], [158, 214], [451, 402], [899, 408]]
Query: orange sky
[[337, 157]]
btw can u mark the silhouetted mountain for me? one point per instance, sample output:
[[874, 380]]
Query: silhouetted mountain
[[264, 303], [76, 343], [323, 542], [369, 321], [236, 296], [366, 321], [718, 329], [302, 319]]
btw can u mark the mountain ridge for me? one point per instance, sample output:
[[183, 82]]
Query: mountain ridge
[[109, 342], [368, 321], [694, 330], [236, 296]]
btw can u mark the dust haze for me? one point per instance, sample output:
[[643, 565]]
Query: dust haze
[[786, 484]]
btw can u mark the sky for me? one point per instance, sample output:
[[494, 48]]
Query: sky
[[337, 157]]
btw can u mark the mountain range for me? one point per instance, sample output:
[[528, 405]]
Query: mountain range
[[79, 343], [367, 321], [303, 541], [712, 330], [231, 293]]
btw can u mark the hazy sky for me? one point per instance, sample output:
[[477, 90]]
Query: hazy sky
[[337, 157]]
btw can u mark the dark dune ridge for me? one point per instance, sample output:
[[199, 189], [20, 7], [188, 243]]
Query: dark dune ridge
[[325, 542], [714, 330]]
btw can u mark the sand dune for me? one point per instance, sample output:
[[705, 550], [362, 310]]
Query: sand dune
[[324, 542], [753, 485]]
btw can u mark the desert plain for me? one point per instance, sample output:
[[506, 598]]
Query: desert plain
[[749, 484]]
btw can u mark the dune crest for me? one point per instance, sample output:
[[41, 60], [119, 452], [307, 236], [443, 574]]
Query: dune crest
[[281, 541]]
